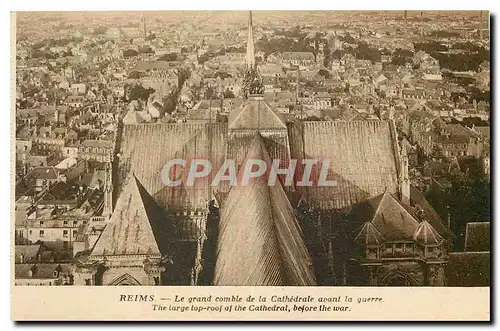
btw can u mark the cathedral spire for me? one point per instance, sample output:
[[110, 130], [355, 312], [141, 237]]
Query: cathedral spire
[[250, 58]]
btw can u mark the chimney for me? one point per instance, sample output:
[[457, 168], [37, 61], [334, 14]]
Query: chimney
[[144, 26], [422, 24], [406, 21]]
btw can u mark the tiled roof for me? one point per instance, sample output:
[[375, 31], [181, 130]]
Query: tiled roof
[[135, 227], [255, 114], [361, 157], [391, 219], [146, 148], [362, 154], [260, 241]]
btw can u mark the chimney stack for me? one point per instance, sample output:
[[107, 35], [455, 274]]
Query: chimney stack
[[144, 26], [421, 24]]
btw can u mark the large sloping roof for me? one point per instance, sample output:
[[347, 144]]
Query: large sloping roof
[[362, 156], [146, 148], [255, 114], [135, 225], [260, 241]]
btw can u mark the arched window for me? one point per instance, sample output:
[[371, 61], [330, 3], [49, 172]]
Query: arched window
[[397, 279], [125, 280]]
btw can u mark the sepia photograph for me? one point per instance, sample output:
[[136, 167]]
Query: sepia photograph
[[251, 148]]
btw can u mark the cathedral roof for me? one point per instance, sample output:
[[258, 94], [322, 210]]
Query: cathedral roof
[[255, 114], [260, 241], [146, 148], [135, 227], [361, 154]]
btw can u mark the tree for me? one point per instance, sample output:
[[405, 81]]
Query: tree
[[138, 92], [347, 39]]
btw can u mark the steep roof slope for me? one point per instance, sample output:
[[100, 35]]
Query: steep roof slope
[[255, 114], [134, 227], [362, 159], [146, 148], [260, 241]]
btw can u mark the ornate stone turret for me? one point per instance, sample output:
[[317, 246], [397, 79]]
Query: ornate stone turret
[[252, 82]]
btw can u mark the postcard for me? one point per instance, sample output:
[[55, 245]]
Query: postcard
[[251, 165]]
